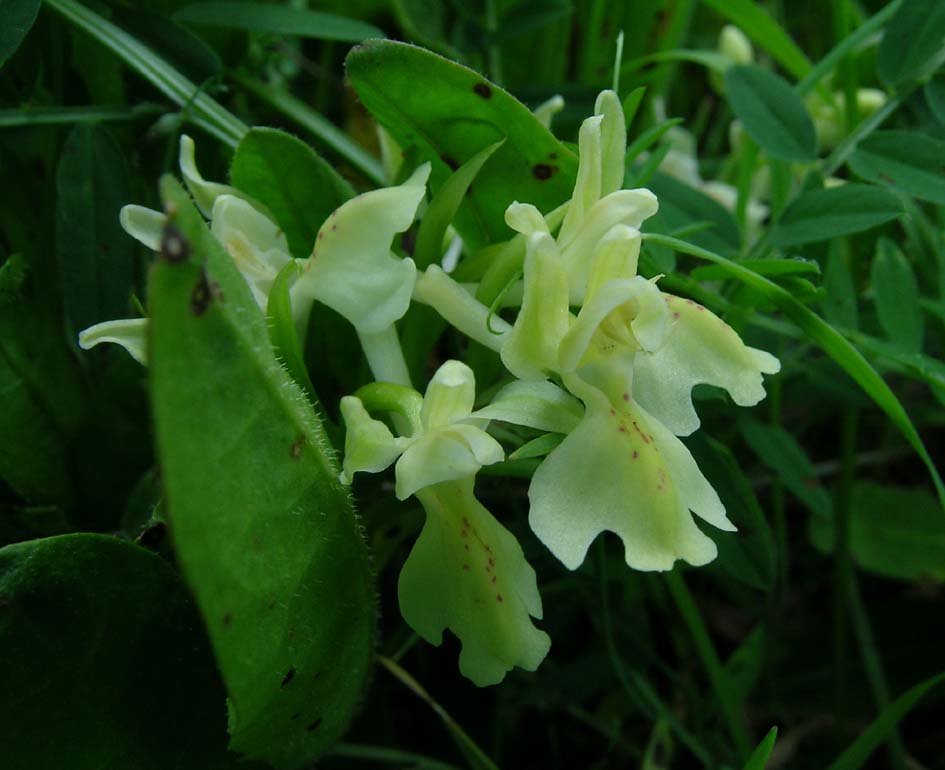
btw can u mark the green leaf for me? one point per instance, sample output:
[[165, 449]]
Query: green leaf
[[18, 18], [445, 113], [105, 661], [264, 533], [755, 22], [682, 205], [934, 91], [819, 215], [896, 532], [759, 757], [897, 296], [298, 187], [278, 20], [839, 301], [42, 391], [442, 209], [747, 555], [784, 456], [829, 340], [859, 751], [908, 160], [96, 266], [201, 109], [772, 114], [914, 37]]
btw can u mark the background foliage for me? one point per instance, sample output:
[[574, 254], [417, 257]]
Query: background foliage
[[823, 617]]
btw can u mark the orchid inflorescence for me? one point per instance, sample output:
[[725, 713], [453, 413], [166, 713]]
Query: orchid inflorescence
[[596, 353]]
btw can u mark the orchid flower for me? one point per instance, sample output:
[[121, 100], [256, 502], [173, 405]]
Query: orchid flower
[[355, 273], [485, 591], [632, 356]]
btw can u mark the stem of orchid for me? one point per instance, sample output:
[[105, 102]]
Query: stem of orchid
[[436, 289], [384, 356], [710, 659]]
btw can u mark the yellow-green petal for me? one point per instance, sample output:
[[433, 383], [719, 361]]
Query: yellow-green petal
[[467, 573], [143, 224], [530, 350], [618, 472], [369, 444], [700, 348], [203, 192], [613, 140], [449, 396], [352, 269], [444, 454], [256, 243], [130, 333], [539, 405]]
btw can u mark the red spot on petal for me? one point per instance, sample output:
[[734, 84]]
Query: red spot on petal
[[676, 315], [636, 454], [622, 428], [626, 396]]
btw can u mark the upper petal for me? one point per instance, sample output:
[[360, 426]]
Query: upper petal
[[204, 193], [700, 348], [613, 140], [530, 350], [449, 396], [352, 269]]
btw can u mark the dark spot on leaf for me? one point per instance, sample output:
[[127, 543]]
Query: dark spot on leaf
[[153, 535], [174, 246], [201, 296], [288, 677], [543, 171], [227, 619], [272, 605], [4, 602], [295, 716], [295, 451], [450, 161], [483, 90], [553, 155], [314, 725]]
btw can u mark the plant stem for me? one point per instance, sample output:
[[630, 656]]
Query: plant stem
[[384, 356], [710, 659]]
